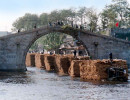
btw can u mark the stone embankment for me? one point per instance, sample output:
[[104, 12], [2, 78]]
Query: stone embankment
[[81, 66]]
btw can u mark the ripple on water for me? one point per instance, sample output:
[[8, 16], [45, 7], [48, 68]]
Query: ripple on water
[[37, 84]]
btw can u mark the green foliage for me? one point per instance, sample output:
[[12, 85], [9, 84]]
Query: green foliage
[[54, 16], [50, 41], [108, 18], [82, 14], [44, 17], [34, 46], [119, 11], [26, 22], [68, 16], [93, 19]]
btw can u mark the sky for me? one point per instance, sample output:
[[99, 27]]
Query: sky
[[10, 10]]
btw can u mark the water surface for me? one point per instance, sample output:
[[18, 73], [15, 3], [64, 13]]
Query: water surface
[[36, 84]]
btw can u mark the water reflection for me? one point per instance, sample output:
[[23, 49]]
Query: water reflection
[[15, 77]]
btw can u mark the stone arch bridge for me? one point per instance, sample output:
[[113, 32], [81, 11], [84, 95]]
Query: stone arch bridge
[[14, 47]]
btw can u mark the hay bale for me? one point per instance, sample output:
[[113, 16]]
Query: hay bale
[[74, 70], [49, 61], [42, 61], [62, 64], [96, 69], [30, 60], [32, 56], [39, 61]]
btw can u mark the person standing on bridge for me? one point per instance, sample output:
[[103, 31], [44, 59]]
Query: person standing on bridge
[[77, 26], [81, 27], [75, 53], [58, 23], [50, 23], [35, 26], [61, 51], [18, 30], [61, 23], [111, 57]]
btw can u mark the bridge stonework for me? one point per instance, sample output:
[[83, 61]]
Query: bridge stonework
[[14, 47]]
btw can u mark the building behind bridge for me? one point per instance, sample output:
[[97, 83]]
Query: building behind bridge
[[122, 33]]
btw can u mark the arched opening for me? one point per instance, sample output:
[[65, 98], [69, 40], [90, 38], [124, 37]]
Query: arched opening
[[56, 43]]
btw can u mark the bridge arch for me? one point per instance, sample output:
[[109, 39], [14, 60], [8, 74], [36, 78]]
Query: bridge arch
[[39, 36], [14, 47], [36, 37]]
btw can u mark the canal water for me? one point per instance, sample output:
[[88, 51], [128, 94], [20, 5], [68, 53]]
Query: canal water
[[36, 84]]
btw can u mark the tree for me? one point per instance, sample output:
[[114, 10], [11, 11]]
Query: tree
[[118, 11], [121, 7], [44, 19], [67, 15], [108, 18], [93, 19], [26, 22], [54, 16], [82, 14], [50, 41]]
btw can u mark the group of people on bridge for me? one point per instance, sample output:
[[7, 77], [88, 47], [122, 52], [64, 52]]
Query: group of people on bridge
[[58, 23]]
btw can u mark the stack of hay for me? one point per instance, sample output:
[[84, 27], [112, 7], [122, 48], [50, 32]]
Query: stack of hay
[[39, 61], [42, 61], [49, 61], [63, 64], [74, 70], [30, 60], [96, 69]]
